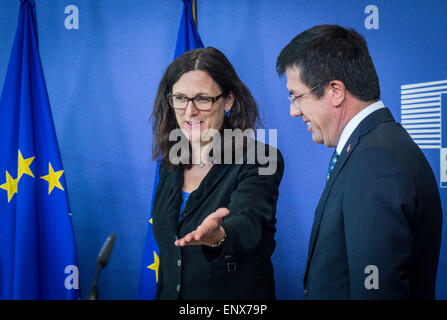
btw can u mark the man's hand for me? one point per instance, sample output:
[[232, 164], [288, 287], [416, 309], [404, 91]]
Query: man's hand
[[208, 233]]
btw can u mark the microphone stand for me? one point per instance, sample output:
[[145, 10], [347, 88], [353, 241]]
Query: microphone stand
[[93, 295], [103, 259]]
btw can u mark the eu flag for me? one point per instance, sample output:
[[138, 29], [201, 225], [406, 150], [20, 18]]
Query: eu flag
[[188, 38], [37, 248]]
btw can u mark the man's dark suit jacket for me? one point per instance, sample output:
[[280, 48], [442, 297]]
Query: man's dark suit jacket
[[380, 207], [241, 268]]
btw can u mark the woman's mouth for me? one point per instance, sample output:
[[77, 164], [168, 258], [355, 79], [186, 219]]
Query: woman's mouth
[[193, 124]]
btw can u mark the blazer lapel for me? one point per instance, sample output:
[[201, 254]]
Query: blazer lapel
[[366, 125], [174, 198], [208, 184]]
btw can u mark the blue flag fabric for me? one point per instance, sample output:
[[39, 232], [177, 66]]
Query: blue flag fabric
[[188, 38], [37, 248]]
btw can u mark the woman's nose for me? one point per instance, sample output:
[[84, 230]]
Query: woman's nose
[[190, 108]]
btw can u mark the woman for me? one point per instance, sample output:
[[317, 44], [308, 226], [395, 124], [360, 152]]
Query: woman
[[214, 222]]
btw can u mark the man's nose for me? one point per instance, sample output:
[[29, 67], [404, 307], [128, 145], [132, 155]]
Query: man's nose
[[295, 111]]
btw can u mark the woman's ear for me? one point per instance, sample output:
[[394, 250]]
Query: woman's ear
[[229, 100]]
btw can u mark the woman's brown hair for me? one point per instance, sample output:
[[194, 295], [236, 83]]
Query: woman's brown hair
[[244, 112]]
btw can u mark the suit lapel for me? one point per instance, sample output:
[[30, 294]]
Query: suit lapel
[[365, 126]]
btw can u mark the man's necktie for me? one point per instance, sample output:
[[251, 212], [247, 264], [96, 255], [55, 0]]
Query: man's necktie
[[332, 164]]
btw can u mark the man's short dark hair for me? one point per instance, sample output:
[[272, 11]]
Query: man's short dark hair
[[329, 52]]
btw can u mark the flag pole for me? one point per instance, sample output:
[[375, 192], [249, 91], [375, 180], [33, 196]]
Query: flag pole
[[194, 11]]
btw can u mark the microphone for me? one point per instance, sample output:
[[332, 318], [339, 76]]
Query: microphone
[[103, 259]]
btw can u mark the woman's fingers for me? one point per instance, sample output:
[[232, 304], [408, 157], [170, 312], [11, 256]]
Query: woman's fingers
[[209, 227]]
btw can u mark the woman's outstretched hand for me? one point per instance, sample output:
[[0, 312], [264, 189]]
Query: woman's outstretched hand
[[208, 233]]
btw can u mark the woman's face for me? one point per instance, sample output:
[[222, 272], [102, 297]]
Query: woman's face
[[191, 121]]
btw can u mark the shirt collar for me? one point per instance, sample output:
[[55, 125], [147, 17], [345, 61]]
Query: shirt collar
[[354, 122]]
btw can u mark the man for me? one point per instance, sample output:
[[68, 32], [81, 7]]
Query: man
[[377, 226]]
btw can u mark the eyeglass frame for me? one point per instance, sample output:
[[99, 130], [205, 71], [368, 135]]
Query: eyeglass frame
[[213, 100], [293, 98]]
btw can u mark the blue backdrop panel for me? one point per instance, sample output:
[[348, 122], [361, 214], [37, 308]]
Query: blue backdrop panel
[[102, 79]]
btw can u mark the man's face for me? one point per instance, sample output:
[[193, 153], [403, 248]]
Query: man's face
[[321, 119]]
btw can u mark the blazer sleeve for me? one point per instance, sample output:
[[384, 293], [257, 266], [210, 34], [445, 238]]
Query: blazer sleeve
[[379, 204], [252, 208]]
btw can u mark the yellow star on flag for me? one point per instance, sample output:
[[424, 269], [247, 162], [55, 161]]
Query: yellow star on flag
[[53, 178], [155, 265], [23, 166], [10, 186]]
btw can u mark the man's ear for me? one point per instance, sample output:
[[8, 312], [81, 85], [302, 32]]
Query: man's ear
[[337, 92]]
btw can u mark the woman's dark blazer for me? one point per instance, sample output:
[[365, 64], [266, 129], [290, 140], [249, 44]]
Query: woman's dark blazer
[[241, 268]]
